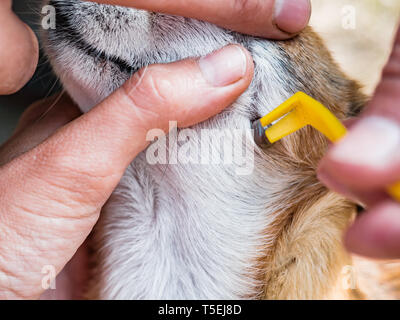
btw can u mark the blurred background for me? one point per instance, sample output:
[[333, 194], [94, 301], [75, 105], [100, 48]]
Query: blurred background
[[358, 32]]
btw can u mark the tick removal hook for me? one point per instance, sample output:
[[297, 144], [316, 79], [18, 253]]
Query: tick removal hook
[[294, 114]]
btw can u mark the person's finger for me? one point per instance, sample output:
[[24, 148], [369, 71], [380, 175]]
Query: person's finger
[[365, 198], [275, 19], [58, 105], [368, 158], [376, 233], [48, 114], [37, 123], [52, 194], [18, 51]]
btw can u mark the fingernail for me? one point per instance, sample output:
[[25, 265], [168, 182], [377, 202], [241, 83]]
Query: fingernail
[[374, 142], [225, 66], [292, 16]]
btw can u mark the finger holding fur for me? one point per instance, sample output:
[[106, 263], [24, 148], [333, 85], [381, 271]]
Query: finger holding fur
[[53, 193], [376, 233], [276, 19], [368, 158], [364, 198]]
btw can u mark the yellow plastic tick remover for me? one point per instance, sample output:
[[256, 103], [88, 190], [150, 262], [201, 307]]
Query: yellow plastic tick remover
[[297, 112]]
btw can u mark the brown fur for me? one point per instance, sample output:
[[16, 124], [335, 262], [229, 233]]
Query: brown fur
[[308, 260]]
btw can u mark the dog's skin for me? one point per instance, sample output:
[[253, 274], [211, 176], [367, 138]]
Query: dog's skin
[[187, 231]]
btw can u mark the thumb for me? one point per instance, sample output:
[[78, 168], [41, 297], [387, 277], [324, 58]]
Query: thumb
[[52, 194], [369, 156]]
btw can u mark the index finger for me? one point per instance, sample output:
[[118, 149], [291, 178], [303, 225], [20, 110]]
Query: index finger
[[18, 50], [275, 19]]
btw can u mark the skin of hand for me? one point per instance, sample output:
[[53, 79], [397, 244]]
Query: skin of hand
[[274, 19], [56, 174], [19, 51], [366, 161], [60, 167]]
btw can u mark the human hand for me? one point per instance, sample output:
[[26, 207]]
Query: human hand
[[366, 161], [279, 19], [19, 51], [275, 19], [56, 174]]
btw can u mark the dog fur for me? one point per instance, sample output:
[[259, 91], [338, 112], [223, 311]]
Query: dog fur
[[188, 231]]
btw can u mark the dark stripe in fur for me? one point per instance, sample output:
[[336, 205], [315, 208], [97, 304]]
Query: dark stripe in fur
[[67, 31]]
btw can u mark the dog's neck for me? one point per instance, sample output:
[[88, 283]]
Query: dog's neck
[[203, 230]]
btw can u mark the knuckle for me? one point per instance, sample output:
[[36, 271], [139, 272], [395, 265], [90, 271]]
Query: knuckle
[[246, 6], [150, 93], [154, 84]]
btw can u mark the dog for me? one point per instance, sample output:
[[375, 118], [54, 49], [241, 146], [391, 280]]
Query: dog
[[202, 231]]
